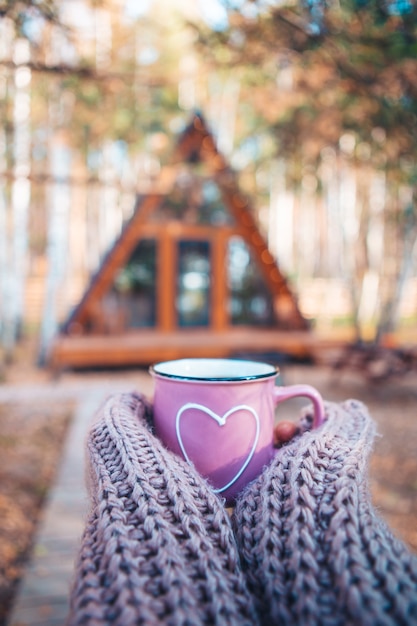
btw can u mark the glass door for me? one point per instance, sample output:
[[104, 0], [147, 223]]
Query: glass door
[[250, 301], [193, 283], [134, 290]]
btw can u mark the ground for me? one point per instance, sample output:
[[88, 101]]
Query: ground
[[31, 440]]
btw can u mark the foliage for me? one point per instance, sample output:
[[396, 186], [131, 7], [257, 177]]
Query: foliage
[[337, 82], [353, 68], [22, 11], [69, 87]]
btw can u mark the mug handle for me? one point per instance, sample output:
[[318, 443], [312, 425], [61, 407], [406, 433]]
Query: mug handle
[[291, 391]]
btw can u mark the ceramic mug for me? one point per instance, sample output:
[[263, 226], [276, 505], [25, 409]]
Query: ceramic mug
[[219, 414]]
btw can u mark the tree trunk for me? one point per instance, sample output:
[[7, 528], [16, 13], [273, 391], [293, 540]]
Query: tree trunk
[[405, 243], [20, 192], [57, 247]]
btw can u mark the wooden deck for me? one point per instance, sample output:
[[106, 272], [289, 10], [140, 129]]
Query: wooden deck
[[148, 346]]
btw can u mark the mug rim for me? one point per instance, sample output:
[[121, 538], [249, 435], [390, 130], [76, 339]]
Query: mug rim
[[265, 370]]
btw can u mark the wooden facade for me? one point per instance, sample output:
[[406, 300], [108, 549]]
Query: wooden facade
[[190, 275]]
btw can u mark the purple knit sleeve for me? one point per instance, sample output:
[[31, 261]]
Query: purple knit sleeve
[[158, 547], [313, 549], [305, 546]]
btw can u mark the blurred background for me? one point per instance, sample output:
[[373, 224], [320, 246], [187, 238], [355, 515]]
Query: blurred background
[[313, 104]]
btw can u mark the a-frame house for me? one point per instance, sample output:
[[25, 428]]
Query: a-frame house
[[190, 275]]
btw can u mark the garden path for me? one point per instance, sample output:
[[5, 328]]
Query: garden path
[[42, 599]]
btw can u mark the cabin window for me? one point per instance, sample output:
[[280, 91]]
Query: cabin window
[[194, 199], [212, 210], [193, 283], [134, 288], [249, 301]]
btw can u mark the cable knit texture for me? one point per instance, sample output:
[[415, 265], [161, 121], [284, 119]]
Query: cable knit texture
[[158, 547], [304, 545]]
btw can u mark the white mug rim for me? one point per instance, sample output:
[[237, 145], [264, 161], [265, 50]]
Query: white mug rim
[[256, 370]]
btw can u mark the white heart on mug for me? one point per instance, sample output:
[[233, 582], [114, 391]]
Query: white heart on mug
[[221, 421]]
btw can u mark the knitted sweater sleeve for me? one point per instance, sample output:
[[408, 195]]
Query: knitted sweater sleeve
[[313, 549], [305, 546], [158, 546]]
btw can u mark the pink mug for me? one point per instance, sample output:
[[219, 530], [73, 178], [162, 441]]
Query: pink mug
[[218, 414]]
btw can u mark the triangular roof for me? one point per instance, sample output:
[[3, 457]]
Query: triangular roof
[[196, 147]]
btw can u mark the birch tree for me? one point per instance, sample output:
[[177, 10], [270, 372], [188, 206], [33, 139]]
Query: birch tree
[[20, 196], [59, 199]]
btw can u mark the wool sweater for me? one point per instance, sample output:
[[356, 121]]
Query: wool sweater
[[303, 546]]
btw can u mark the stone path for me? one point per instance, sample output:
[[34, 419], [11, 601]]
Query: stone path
[[42, 599]]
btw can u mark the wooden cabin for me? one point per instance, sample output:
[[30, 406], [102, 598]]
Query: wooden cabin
[[189, 276]]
